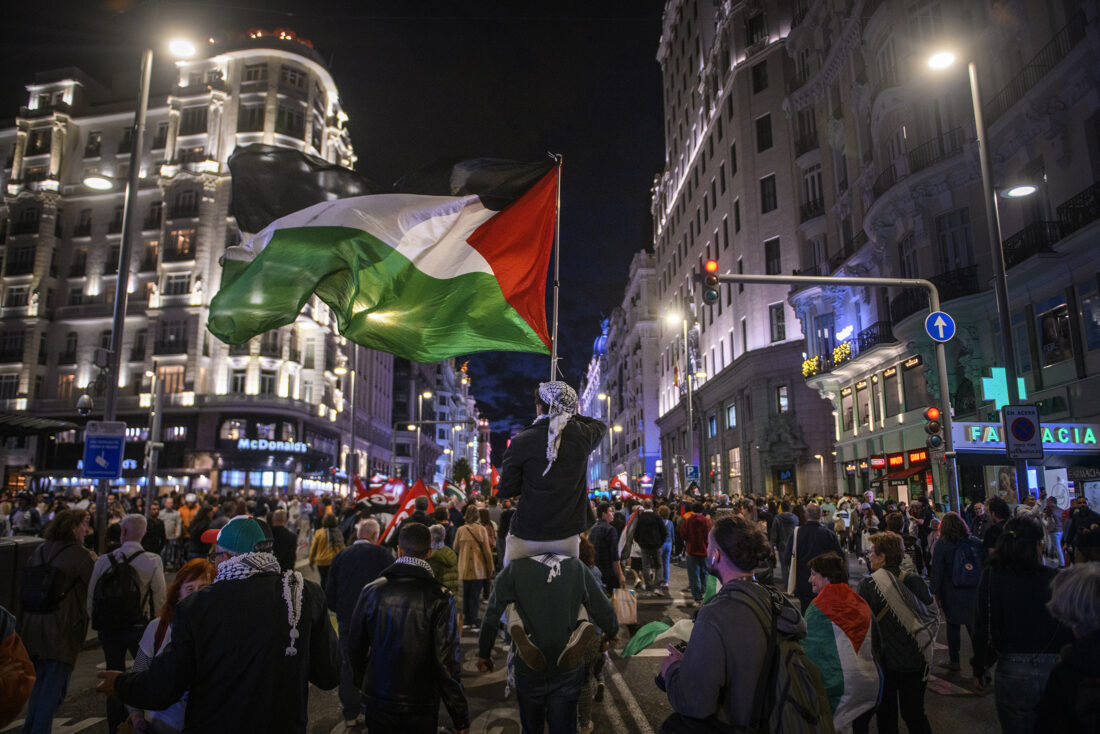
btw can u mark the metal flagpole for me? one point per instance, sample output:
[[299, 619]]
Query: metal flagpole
[[557, 263]]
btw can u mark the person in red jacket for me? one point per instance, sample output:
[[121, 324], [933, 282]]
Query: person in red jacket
[[694, 531]]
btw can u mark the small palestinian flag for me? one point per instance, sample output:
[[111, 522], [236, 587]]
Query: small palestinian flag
[[450, 491]]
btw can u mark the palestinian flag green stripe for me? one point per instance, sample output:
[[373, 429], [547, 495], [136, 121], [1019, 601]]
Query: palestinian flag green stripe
[[378, 296]]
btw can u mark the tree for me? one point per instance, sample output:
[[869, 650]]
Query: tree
[[461, 471]]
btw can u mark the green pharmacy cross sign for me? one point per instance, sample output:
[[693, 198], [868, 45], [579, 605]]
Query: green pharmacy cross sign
[[995, 388]]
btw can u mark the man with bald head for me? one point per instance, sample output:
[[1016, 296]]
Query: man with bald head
[[120, 619], [808, 541]]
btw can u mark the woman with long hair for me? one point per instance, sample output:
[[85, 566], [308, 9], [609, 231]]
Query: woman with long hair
[[954, 573], [327, 542], [194, 575], [1013, 619], [475, 563], [199, 524]]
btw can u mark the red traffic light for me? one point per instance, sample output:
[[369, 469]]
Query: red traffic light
[[711, 266], [932, 414]]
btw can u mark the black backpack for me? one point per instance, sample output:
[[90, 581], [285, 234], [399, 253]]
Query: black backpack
[[43, 586], [118, 602], [966, 566]]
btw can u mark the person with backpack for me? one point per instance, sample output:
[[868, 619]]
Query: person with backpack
[[743, 650], [650, 534], [956, 569], [126, 589], [908, 621], [54, 622], [1014, 629]]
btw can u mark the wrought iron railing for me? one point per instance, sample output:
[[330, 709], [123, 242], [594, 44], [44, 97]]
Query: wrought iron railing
[[1036, 68], [1080, 209], [1034, 238]]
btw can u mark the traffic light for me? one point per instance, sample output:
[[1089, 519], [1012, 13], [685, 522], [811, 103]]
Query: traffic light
[[933, 428], [710, 282]]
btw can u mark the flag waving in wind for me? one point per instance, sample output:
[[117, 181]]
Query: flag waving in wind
[[452, 264], [408, 506]]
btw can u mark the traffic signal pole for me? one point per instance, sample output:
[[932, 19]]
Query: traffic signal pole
[[859, 282]]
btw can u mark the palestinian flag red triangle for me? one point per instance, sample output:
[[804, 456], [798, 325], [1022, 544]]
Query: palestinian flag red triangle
[[408, 505]]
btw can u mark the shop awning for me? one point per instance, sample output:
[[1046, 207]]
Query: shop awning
[[899, 475], [18, 424]]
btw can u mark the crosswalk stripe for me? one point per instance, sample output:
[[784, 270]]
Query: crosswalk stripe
[[636, 713]]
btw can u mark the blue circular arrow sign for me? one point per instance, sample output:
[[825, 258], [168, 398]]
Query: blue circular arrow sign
[[939, 326]]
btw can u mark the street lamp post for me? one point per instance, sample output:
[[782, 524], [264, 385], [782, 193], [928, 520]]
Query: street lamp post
[[154, 443], [821, 462], [426, 395], [943, 60]]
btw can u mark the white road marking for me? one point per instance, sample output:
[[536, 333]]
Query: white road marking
[[651, 652], [636, 713]]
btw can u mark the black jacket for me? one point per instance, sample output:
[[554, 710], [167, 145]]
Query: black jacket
[[813, 540], [403, 645], [556, 505], [1070, 701], [228, 650], [651, 531], [351, 570]]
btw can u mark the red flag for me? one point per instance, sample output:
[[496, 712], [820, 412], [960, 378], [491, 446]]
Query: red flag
[[494, 478], [383, 496], [360, 490], [408, 505], [618, 482]]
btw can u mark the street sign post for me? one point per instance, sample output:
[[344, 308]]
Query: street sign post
[[939, 326], [1022, 432], [691, 472], [104, 444]]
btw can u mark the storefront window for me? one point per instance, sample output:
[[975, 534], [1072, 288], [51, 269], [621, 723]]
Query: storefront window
[[265, 430], [846, 408], [891, 396], [1054, 339], [290, 432], [1090, 314], [233, 429]]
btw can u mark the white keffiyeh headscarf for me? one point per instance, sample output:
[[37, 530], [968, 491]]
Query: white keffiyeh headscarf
[[562, 400]]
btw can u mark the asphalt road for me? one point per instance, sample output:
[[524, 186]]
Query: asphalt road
[[631, 703]]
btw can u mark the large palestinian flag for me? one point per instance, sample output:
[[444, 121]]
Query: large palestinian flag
[[454, 262]]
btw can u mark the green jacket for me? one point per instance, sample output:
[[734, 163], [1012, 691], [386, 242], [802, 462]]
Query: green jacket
[[548, 607], [444, 563]]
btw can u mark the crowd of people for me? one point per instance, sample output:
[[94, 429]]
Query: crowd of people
[[835, 602]]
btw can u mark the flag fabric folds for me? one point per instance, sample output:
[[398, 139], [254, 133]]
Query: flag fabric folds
[[450, 491], [408, 506], [424, 276]]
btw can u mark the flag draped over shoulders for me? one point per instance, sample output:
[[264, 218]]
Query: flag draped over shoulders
[[839, 641], [453, 262]]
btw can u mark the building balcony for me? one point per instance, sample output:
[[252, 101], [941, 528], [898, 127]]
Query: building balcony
[[874, 335], [1080, 210], [265, 401], [170, 346], [1036, 68], [811, 209], [880, 332], [951, 285], [805, 142], [239, 350], [884, 181], [884, 80], [1034, 238], [174, 255], [935, 150]]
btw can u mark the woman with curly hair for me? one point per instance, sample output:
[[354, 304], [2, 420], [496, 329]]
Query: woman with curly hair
[[956, 568], [194, 575]]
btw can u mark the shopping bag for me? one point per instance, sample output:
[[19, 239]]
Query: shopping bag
[[626, 606]]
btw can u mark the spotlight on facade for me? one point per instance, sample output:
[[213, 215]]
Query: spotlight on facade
[[181, 48], [97, 182]]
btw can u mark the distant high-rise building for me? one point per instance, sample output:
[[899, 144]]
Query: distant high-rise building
[[728, 193], [269, 415]]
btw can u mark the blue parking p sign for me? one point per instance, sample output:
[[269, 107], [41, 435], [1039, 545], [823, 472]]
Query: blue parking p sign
[[104, 444], [691, 472]]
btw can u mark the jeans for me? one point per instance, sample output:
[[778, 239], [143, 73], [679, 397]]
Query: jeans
[[116, 643], [697, 575], [666, 555], [50, 686], [471, 601], [904, 691], [1017, 687], [549, 702], [351, 701], [954, 639]]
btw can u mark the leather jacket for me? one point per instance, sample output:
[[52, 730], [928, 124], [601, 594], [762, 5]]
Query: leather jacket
[[403, 645]]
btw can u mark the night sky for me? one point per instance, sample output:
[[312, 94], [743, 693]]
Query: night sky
[[427, 80]]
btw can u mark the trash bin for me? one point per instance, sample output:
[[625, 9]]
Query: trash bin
[[14, 554]]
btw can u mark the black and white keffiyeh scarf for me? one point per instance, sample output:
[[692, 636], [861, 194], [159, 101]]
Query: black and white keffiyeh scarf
[[562, 400], [246, 565]]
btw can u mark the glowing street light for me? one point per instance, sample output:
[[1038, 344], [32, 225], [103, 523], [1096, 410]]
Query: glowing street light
[[1018, 192], [98, 182], [941, 60], [181, 48]]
